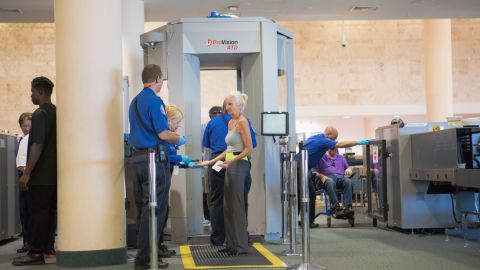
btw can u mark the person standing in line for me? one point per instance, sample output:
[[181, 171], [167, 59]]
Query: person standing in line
[[25, 122], [206, 152], [214, 139], [175, 117], [40, 175], [237, 166], [149, 131]]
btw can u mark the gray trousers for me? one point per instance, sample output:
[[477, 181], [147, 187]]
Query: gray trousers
[[234, 212]]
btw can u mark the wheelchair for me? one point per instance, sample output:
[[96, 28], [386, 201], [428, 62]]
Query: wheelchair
[[321, 191]]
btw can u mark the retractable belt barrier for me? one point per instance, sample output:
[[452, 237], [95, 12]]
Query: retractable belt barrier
[[152, 204], [304, 206]]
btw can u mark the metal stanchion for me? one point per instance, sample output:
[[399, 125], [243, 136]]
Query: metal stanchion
[[285, 182], [292, 207], [152, 203], [304, 203]]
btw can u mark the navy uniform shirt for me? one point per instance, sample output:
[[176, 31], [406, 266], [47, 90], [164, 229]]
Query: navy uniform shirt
[[172, 154], [216, 131], [151, 111], [316, 146]]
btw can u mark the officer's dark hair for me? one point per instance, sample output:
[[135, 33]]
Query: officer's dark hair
[[24, 117], [151, 72], [215, 109], [44, 84]]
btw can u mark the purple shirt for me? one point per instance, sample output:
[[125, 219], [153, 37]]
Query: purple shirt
[[328, 166]]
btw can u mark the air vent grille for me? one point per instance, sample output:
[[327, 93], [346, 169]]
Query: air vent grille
[[362, 9], [11, 10]]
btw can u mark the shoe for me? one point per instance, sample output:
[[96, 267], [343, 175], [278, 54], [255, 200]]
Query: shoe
[[29, 259], [225, 250], [314, 225], [234, 252], [146, 266], [348, 212], [49, 254], [338, 212], [164, 252], [217, 244], [22, 249], [206, 222]]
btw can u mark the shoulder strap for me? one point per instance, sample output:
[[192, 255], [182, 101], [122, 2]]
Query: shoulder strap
[[137, 114]]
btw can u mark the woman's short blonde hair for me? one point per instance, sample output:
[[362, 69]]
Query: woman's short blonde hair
[[239, 98], [173, 112]]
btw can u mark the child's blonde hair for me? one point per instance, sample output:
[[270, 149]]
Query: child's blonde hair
[[173, 112]]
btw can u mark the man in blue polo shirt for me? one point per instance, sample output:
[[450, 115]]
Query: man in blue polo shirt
[[214, 138], [316, 146], [149, 130]]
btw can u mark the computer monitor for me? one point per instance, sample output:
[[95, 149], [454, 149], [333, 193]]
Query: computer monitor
[[274, 123]]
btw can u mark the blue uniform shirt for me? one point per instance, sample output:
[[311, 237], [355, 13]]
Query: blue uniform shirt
[[216, 131], [172, 154], [316, 146], [154, 117]]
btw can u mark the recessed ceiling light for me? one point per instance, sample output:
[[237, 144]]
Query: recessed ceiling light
[[11, 10], [362, 8]]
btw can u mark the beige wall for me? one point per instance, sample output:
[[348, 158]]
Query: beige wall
[[26, 51], [380, 72]]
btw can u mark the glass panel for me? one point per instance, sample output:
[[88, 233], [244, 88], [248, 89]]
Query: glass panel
[[282, 73]]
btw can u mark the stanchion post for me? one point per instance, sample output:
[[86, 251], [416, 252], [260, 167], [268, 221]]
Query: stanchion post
[[292, 207], [152, 203], [285, 182], [304, 204]]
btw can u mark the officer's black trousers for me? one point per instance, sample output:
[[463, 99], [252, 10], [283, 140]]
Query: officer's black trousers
[[216, 182], [141, 191]]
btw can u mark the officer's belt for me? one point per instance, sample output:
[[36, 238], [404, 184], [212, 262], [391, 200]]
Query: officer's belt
[[136, 151]]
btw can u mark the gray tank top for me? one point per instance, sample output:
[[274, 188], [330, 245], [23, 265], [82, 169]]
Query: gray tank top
[[234, 141]]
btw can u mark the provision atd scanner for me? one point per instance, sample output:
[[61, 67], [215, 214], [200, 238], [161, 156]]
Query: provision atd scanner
[[262, 54]]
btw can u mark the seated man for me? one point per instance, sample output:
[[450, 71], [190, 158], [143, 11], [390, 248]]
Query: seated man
[[333, 171]]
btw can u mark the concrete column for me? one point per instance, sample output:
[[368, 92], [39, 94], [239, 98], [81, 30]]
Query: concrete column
[[133, 18], [91, 211], [438, 69], [369, 129]]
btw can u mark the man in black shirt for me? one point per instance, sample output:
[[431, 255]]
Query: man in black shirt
[[40, 176]]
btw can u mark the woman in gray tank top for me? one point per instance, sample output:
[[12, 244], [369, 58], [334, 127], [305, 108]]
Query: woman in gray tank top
[[235, 160]]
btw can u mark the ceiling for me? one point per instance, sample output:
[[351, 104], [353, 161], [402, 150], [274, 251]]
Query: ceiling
[[279, 10]]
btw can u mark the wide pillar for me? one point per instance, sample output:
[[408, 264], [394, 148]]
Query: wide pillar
[[133, 18], [438, 69], [91, 210]]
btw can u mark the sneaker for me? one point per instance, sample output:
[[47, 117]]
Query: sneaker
[[206, 222], [348, 212], [49, 254], [338, 212], [29, 259]]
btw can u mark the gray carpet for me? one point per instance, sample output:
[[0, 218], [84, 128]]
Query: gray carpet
[[342, 247]]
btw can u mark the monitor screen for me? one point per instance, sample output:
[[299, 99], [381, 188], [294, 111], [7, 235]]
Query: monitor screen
[[274, 123]]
